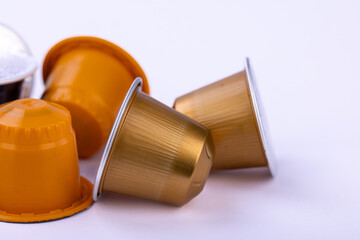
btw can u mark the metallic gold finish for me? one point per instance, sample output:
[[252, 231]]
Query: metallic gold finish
[[154, 152], [229, 108]]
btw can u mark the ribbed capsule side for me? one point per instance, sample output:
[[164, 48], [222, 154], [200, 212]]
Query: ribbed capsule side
[[158, 154], [226, 109]]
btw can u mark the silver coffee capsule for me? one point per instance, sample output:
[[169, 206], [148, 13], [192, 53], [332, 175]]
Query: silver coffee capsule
[[17, 66]]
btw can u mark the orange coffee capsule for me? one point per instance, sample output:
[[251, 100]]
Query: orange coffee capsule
[[90, 77], [39, 169]]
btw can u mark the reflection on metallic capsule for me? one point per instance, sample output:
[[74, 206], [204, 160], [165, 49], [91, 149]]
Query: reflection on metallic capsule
[[17, 66]]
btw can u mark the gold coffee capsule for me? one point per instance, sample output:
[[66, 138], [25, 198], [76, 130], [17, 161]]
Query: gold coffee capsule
[[154, 152], [229, 108]]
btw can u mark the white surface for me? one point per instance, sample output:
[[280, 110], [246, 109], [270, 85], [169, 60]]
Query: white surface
[[306, 59]]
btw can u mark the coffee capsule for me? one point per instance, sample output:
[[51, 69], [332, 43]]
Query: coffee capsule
[[17, 66], [90, 77], [154, 152], [231, 110], [39, 169]]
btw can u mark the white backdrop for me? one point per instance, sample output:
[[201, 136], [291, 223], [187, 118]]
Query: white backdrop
[[306, 58]]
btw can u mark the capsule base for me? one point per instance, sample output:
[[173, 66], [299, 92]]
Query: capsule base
[[83, 203]]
